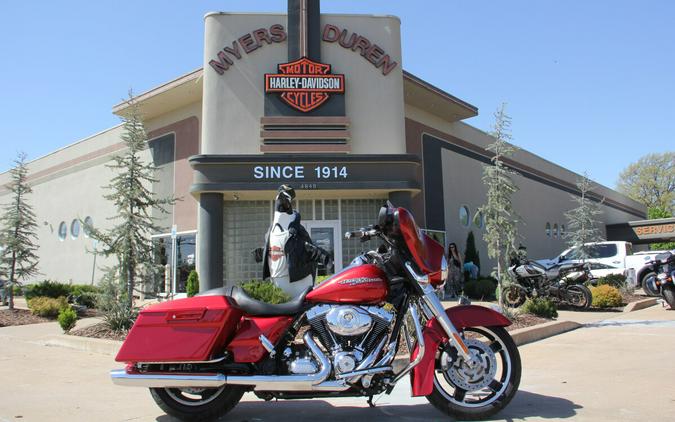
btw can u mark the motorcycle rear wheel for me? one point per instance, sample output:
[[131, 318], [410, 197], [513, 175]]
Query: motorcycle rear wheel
[[668, 292], [486, 389], [579, 296], [193, 404]]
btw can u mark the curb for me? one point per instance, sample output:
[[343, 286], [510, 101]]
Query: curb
[[539, 332], [86, 344], [641, 304]]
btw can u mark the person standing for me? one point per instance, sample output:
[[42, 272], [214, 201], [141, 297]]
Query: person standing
[[455, 274]]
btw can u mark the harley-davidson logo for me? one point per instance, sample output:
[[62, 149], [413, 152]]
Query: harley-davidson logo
[[360, 280], [304, 84]]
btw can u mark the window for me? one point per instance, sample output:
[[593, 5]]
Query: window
[[63, 231], [75, 229], [88, 225], [185, 261], [548, 229], [464, 215], [593, 251], [555, 231], [562, 230], [478, 220]]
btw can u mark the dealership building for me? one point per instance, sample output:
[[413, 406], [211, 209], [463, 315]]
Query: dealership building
[[317, 101]]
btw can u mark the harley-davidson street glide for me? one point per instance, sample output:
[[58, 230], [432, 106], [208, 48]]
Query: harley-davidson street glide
[[199, 355]]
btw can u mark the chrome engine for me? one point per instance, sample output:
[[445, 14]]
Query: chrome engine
[[348, 333]]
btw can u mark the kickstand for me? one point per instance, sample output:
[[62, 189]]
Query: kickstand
[[370, 401]]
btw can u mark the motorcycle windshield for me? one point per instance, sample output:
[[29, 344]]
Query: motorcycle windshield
[[427, 253]]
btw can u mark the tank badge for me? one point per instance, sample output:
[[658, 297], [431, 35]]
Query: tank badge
[[360, 280]]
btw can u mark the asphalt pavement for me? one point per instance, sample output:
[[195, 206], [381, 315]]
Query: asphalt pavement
[[616, 369]]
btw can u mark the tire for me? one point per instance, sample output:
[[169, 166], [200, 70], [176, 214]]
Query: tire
[[582, 298], [650, 288], [214, 402], [513, 296], [668, 292], [457, 405]]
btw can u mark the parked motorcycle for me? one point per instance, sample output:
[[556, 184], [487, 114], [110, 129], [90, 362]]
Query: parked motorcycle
[[199, 355], [561, 283], [664, 267]]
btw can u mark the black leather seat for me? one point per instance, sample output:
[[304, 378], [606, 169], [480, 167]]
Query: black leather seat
[[255, 307]]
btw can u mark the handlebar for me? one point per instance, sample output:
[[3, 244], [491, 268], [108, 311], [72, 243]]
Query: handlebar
[[363, 234]]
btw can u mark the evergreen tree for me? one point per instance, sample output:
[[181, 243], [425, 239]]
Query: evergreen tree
[[18, 258], [471, 253], [500, 217], [131, 192], [582, 224]]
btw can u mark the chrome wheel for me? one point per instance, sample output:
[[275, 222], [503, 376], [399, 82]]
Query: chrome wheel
[[474, 393]]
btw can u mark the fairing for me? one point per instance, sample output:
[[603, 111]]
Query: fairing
[[364, 284], [422, 376], [427, 253], [192, 329]]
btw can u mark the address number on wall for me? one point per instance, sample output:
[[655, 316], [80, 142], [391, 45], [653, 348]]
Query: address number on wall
[[300, 172]]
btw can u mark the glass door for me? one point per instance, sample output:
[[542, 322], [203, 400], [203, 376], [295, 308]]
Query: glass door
[[326, 235]]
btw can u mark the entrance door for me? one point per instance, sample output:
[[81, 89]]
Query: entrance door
[[326, 235]]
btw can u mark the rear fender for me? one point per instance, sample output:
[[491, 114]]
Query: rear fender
[[422, 376]]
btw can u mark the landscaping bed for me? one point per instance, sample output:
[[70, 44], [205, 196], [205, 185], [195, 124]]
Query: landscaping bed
[[99, 330], [526, 320], [13, 317]]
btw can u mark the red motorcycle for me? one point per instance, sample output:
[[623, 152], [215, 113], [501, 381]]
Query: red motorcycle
[[199, 355]]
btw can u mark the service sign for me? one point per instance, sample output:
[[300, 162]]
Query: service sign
[[304, 84]]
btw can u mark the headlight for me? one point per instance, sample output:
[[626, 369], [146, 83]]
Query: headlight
[[662, 276]]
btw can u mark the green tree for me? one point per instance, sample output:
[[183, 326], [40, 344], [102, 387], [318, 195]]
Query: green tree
[[651, 181], [654, 213], [501, 220], [129, 240], [18, 258], [471, 253], [582, 222], [192, 286]]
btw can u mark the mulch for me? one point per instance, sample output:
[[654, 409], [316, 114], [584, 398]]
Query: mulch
[[526, 320], [13, 317], [99, 330]]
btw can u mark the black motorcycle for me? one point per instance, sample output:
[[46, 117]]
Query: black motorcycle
[[664, 267], [562, 283]]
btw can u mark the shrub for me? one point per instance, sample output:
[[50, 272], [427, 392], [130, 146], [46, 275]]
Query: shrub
[[119, 318], [540, 307], [321, 278], [67, 318], [482, 288], [18, 290], [606, 296], [47, 307], [614, 280], [48, 288], [192, 286], [85, 295], [265, 291], [471, 254]]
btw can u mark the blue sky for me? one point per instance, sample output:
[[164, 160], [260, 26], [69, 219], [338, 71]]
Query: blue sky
[[589, 84]]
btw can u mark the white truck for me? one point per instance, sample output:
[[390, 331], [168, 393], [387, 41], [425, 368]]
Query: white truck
[[614, 254]]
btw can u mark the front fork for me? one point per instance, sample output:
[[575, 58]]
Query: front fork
[[434, 309]]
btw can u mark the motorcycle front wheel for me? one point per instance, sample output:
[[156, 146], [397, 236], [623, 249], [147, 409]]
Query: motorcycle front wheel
[[197, 404], [514, 295], [649, 284], [476, 393], [579, 296]]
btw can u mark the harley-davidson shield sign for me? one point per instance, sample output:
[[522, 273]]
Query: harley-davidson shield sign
[[304, 84]]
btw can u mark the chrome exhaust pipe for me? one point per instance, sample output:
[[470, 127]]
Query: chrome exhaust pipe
[[309, 382]]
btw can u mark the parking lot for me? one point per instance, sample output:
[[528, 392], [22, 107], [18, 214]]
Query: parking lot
[[618, 369]]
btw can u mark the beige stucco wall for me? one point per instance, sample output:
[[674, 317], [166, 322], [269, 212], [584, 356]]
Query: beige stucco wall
[[234, 102]]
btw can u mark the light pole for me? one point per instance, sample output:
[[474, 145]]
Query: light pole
[[93, 267], [174, 231]]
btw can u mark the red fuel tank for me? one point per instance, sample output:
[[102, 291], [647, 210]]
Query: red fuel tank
[[359, 284]]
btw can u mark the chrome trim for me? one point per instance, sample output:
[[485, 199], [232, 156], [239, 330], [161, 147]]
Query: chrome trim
[[317, 311], [121, 377], [267, 344], [422, 279], [182, 362], [369, 371], [412, 309], [389, 356], [368, 361]]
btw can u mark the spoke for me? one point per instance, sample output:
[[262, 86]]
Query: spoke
[[495, 385], [495, 346], [459, 394]]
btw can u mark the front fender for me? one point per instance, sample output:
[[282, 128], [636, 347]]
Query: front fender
[[422, 376]]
